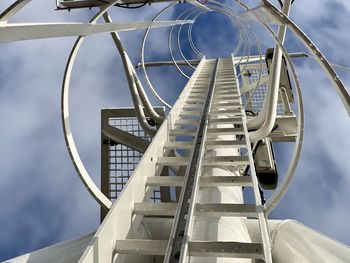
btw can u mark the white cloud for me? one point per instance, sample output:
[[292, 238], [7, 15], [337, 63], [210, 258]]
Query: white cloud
[[40, 194]]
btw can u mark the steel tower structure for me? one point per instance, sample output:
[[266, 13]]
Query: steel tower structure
[[184, 200]]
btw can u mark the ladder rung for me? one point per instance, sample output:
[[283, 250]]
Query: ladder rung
[[225, 144], [226, 249], [225, 181], [232, 120], [225, 80], [155, 209], [183, 132], [224, 92], [178, 145], [187, 122], [202, 100], [199, 91], [197, 96], [190, 113], [198, 107], [172, 161], [225, 131], [166, 180], [218, 210], [225, 108], [226, 86], [223, 100], [205, 181], [232, 104], [228, 89], [207, 210], [190, 102], [225, 161], [141, 247], [226, 112], [227, 96]]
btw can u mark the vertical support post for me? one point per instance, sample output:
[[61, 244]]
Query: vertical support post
[[104, 166], [267, 116]]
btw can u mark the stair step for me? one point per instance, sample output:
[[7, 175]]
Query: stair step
[[205, 181], [209, 145], [172, 161], [214, 161], [202, 210], [226, 249]]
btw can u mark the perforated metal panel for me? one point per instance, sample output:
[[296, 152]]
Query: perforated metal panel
[[119, 161], [122, 159], [255, 98]]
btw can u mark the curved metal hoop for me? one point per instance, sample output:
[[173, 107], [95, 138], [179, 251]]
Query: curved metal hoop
[[282, 189], [68, 136]]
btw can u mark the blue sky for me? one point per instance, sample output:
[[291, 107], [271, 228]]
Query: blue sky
[[42, 201]]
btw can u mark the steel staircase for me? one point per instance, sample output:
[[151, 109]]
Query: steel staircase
[[208, 111]]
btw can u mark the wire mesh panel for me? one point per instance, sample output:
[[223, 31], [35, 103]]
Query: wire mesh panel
[[254, 99], [122, 160]]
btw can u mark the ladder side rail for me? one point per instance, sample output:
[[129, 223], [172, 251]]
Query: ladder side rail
[[260, 208], [120, 219], [175, 244], [202, 134]]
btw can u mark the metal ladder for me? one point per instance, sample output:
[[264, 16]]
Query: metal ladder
[[212, 99], [215, 88]]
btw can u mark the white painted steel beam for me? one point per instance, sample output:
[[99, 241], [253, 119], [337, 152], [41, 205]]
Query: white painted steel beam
[[27, 31]]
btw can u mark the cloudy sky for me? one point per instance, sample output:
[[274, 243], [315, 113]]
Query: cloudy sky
[[42, 201]]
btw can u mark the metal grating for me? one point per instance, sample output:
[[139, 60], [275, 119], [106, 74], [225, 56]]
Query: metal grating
[[250, 75], [122, 159]]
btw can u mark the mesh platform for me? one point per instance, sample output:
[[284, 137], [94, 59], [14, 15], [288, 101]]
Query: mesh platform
[[123, 160], [255, 99]]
